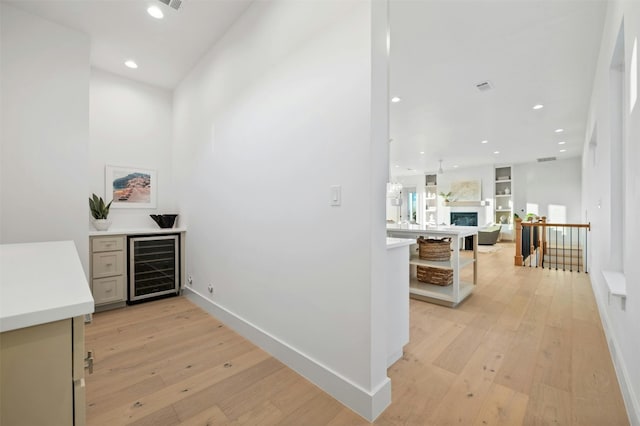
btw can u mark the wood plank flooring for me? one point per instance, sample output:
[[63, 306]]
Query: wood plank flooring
[[527, 348]]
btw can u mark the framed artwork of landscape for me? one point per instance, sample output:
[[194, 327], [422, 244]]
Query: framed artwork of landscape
[[130, 187]]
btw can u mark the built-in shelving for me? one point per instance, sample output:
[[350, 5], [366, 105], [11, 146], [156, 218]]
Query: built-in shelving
[[503, 207], [431, 198]]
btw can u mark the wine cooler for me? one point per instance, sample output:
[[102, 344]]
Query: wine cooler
[[154, 267]]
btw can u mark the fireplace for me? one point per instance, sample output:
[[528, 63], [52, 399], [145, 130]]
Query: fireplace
[[464, 218]]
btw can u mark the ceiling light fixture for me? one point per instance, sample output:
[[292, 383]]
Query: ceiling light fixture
[[485, 141], [496, 152], [395, 99], [561, 143], [421, 152], [131, 64], [563, 150], [538, 106], [455, 166], [559, 130], [155, 12]]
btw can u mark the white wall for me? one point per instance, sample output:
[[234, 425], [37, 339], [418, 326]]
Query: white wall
[[621, 326], [288, 92], [131, 125], [553, 182], [44, 83]]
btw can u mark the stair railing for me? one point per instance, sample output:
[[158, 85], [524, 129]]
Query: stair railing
[[559, 245]]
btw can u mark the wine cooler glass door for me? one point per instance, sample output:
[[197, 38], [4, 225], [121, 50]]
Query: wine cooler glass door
[[153, 266]]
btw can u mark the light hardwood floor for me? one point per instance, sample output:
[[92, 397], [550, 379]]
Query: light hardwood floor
[[526, 348]]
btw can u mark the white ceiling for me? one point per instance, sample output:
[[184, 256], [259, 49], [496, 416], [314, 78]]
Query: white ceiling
[[532, 51], [165, 50]]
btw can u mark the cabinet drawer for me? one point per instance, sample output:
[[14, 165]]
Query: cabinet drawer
[[108, 264], [108, 290], [107, 244]]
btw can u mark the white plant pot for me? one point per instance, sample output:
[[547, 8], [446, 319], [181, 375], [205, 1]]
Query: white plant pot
[[102, 224]]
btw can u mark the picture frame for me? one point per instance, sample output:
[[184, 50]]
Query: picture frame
[[130, 187]]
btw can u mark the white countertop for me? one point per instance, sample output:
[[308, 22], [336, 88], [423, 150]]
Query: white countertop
[[41, 283], [132, 231], [452, 231], [399, 242]]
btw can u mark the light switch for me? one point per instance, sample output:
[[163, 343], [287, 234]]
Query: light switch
[[336, 195]]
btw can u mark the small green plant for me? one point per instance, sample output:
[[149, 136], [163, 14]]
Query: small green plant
[[98, 208], [446, 196]]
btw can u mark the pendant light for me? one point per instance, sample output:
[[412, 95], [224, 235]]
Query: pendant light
[[440, 171]]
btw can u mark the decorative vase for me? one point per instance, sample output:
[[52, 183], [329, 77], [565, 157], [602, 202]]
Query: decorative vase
[[507, 191], [102, 224]]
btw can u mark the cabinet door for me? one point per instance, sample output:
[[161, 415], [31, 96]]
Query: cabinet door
[[108, 290], [108, 264], [36, 375]]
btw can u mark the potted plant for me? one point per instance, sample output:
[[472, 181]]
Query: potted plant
[[100, 212], [446, 196]]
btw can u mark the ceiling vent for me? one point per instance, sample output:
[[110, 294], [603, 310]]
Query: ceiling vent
[[543, 159], [172, 3], [484, 86]]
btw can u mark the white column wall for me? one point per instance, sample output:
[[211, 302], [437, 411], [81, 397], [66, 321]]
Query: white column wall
[[288, 92], [44, 79], [622, 326]]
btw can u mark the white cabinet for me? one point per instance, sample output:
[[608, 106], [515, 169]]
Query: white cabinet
[[108, 271], [455, 293]]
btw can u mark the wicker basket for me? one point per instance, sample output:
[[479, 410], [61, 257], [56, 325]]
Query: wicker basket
[[436, 276], [434, 249]]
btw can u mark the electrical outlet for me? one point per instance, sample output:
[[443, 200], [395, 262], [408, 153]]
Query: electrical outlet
[[210, 288], [190, 280]]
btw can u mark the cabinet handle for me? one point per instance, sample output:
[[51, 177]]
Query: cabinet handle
[[88, 362]]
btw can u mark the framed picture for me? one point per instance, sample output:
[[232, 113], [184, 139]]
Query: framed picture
[[130, 187]]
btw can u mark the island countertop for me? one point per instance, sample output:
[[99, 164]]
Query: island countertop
[[41, 283], [411, 230]]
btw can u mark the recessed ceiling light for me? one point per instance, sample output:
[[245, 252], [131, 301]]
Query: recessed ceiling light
[[485, 141], [421, 152], [496, 152], [155, 12], [397, 165], [561, 143], [395, 99], [538, 106], [131, 64], [563, 150], [559, 130], [455, 166]]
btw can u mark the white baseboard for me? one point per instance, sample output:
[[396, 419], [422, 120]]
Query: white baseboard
[[628, 394], [367, 404]]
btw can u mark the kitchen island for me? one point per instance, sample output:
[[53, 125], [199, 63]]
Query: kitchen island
[[44, 297], [397, 297], [455, 293]]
